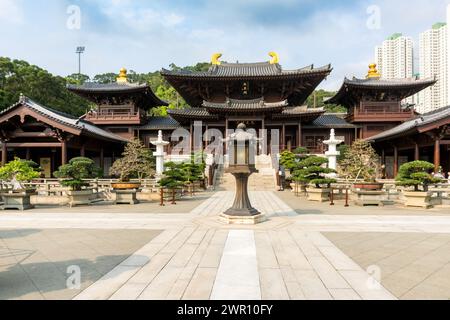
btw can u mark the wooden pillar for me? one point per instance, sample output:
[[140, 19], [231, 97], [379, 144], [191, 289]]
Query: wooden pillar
[[437, 155], [225, 148], [383, 157], [102, 158], [63, 152], [4, 153], [191, 139], [283, 137], [395, 161], [83, 151], [264, 137], [28, 154], [299, 135], [416, 152]]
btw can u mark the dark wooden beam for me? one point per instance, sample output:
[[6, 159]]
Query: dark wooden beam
[[35, 145]]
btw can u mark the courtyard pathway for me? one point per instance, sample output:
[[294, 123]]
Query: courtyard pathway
[[197, 257]]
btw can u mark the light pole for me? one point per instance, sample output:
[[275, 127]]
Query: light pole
[[80, 50]]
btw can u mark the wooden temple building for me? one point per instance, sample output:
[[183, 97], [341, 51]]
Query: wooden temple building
[[266, 97], [399, 134], [262, 95]]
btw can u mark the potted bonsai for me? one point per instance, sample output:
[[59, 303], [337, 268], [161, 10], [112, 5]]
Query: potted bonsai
[[73, 175], [137, 162], [361, 162], [417, 174], [312, 172], [290, 161], [174, 178], [16, 173], [193, 172]]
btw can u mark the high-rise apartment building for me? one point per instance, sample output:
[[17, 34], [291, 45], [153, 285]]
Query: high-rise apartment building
[[434, 62], [395, 58]]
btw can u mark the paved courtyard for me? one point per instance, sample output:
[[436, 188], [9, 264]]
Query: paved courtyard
[[304, 251]]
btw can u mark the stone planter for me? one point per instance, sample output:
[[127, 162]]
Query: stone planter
[[318, 194], [301, 188], [79, 198], [125, 197], [18, 200], [375, 186], [418, 199], [126, 186]]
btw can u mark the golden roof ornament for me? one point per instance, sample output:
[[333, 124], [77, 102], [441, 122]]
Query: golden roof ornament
[[215, 59], [275, 58], [373, 72], [122, 78]]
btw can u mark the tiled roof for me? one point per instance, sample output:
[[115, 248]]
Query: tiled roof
[[389, 83], [64, 119], [259, 69], [100, 87], [411, 125], [191, 114], [91, 89], [331, 121], [350, 90], [160, 123], [245, 105]]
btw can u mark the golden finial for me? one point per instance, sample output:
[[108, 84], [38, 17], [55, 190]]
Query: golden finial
[[215, 59], [373, 72], [122, 76], [275, 58]]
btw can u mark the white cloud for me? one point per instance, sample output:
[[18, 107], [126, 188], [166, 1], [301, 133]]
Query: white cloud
[[11, 11]]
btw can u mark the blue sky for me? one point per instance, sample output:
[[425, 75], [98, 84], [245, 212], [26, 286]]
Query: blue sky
[[148, 35]]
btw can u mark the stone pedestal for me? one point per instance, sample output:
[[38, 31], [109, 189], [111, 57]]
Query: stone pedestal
[[371, 198], [17, 201], [318, 194], [79, 198], [125, 197], [242, 211]]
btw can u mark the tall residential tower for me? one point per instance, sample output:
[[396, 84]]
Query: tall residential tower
[[395, 57], [434, 63]]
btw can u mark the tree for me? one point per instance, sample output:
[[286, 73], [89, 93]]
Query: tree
[[174, 176], [311, 170], [360, 162], [137, 162], [318, 99], [19, 171], [76, 171], [417, 174], [77, 79], [18, 77]]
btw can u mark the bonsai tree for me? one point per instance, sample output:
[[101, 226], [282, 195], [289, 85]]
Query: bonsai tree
[[193, 171], [360, 161], [76, 171], [137, 162], [417, 174], [301, 152], [174, 176], [290, 160], [311, 170], [19, 171]]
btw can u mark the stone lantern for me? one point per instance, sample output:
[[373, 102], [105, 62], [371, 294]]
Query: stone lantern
[[159, 154], [242, 166], [332, 152]]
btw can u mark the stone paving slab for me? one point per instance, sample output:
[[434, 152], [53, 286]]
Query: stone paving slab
[[288, 257]]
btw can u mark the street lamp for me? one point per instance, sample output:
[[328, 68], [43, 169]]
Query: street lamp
[[242, 166], [80, 51]]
